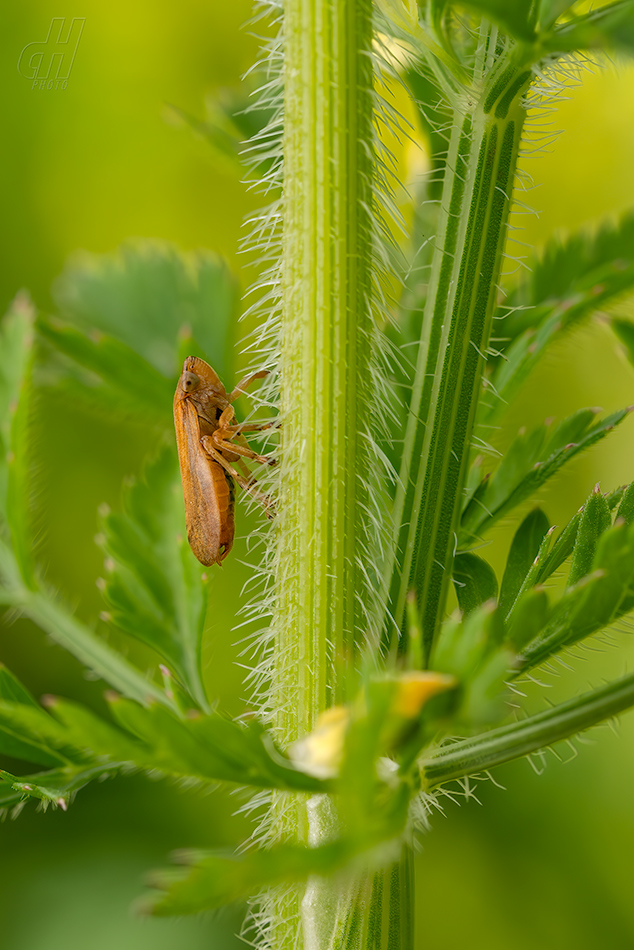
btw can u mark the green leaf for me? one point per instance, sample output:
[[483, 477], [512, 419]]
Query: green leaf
[[625, 333], [252, 751], [596, 601], [173, 748], [565, 543], [147, 295], [432, 114], [626, 507], [485, 695], [551, 10], [205, 748], [155, 588], [210, 880], [16, 745], [595, 519], [64, 628], [231, 120], [27, 732], [16, 342], [474, 580], [473, 651], [16, 337], [12, 690], [56, 787], [13, 739], [129, 378], [530, 461], [529, 617], [513, 17], [569, 281], [524, 549], [609, 27]]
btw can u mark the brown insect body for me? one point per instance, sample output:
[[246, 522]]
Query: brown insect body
[[202, 417]]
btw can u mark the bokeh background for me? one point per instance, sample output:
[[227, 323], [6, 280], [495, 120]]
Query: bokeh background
[[546, 863]]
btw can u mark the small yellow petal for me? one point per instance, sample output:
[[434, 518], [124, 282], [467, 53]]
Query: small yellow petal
[[414, 689], [320, 752]]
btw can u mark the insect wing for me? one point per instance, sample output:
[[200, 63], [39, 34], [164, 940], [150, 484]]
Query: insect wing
[[200, 483]]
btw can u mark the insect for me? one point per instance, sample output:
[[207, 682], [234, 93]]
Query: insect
[[211, 448]]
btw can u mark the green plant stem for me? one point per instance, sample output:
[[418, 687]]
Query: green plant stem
[[530, 735], [482, 157], [324, 364], [325, 349]]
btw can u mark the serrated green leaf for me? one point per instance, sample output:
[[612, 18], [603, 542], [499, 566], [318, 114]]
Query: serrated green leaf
[[595, 519], [474, 580], [172, 748], [130, 379], [596, 601], [565, 543], [205, 748], [14, 739], [155, 588], [16, 745], [569, 281], [56, 787], [148, 293], [66, 630], [524, 549], [252, 751], [27, 732], [561, 549], [86, 730], [530, 461]]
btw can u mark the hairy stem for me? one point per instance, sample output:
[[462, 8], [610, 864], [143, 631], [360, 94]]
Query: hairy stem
[[325, 355]]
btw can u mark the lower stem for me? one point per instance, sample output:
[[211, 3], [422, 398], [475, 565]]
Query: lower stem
[[364, 910]]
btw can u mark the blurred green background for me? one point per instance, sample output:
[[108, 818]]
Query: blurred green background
[[544, 864]]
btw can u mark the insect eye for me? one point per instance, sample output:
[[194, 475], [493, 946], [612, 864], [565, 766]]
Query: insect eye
[[190, 382]]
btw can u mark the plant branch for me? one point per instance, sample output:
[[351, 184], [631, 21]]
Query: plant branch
[[530, 735], [456, 327]]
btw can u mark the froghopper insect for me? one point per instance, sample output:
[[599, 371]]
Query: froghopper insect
[[211, 449]]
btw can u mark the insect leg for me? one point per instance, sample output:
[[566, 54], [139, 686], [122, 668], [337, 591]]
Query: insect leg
[[225, 432], [224, 445], [248, 485], [251, 427], [242, 385]]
